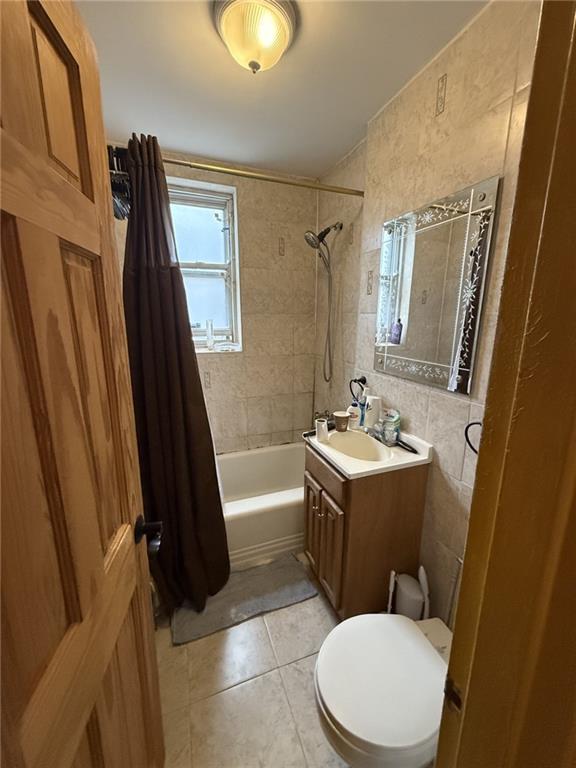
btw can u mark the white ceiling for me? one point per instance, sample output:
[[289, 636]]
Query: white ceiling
[[165, 71]]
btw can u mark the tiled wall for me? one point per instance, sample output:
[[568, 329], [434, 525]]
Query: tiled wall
[[411, 157], [263, 395]]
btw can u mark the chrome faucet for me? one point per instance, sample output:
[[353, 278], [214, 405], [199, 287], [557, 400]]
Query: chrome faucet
[[377, 431]]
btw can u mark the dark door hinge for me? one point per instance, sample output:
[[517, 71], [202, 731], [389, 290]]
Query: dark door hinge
[[452, 695]]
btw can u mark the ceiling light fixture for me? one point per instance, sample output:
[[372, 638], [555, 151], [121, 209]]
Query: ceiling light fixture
[[256, 32]]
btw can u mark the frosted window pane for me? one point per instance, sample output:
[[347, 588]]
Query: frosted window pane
[[199, 235], [206, 296]]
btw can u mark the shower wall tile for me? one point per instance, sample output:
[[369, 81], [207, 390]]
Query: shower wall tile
[[259, 441], [304, 373], [268, 335], [230, 444], [281, 438], [268, 376], [266, 291], [304, 334], [281, 410], [303, 287], [369, 272], [258, 416], [410, 157], [365, 342], [302, 412]]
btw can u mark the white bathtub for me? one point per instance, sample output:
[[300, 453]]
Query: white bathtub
[[263, 492]]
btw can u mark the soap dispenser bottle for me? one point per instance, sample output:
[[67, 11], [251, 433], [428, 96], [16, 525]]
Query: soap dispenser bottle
[[355, 413]]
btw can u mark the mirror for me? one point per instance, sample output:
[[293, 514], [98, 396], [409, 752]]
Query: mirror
[[432, 269]]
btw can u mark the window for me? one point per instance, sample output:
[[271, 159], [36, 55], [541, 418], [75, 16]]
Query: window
[[205, 231]]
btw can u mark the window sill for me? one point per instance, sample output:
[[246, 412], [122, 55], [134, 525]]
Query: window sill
[[217, 351]]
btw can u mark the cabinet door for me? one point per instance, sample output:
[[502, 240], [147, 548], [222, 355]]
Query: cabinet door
[[312, 493], [331, 548]]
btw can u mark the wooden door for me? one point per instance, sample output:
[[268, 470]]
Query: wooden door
[[79, 675], [331, 548], [312, 491], [513, 660]]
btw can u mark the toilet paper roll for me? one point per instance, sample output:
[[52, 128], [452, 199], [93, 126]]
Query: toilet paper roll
[[321, 430]]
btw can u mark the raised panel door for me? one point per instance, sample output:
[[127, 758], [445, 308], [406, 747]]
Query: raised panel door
[[80, 683], [312, 493], [331, 548]]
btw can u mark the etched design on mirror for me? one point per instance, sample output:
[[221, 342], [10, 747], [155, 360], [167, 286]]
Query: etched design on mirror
[[443, 210], [421, 370], [432, 269], [470, 294]]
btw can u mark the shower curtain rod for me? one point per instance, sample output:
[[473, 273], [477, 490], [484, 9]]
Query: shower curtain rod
[[260, 176]]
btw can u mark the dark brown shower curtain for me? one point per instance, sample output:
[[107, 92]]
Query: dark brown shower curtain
[[177, 462]]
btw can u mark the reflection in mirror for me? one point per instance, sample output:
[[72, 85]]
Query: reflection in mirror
[[432, 269]]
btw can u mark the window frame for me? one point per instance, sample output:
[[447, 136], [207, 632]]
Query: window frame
[[204, 194]]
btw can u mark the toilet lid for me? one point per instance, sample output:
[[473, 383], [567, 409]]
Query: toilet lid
[[381, 682]]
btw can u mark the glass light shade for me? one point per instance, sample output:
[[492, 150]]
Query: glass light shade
[[256, 32]]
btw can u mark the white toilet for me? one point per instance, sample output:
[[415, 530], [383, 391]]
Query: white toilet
[[379, 690]]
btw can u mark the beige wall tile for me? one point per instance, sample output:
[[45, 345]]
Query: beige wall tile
[[258, 441], [228, 417], [258, 415], [470, 458], [410, 157], [303, 289], [370, 262], [304, 334], [365, 336], [280, 438], [303, 373], [447, 510], [268, 335], [447, 418], [267, 291], [281, 413], [302, 412], [230, 444], [443, 571]]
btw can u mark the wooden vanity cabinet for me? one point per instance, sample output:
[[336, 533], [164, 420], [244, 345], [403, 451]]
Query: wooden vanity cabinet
[[358, 530]]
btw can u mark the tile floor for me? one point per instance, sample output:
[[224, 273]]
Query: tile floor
[[244, 697]]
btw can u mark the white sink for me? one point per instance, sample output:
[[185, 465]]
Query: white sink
[[359, 445], [355, 454]]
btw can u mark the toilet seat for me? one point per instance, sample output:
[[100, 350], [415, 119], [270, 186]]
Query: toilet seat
[[379, 685]]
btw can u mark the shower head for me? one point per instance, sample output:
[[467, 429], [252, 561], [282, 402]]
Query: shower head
[[315, 241], [312, 240]]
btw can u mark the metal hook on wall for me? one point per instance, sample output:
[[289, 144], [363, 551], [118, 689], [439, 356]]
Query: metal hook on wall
[[467, 437]]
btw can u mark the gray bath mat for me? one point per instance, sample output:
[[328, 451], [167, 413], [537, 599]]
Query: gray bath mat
[[247, 593]]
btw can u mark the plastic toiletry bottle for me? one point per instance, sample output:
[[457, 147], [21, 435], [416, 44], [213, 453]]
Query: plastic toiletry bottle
[[396, 332], [363, 404], [354, 412]]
